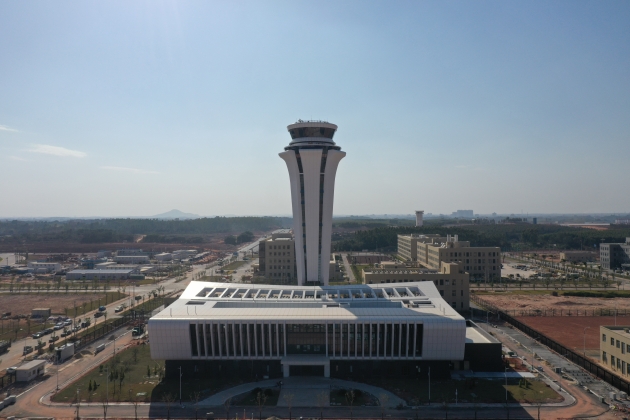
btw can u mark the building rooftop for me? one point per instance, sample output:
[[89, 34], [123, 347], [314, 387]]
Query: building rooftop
[[104, 271], [245, 301]]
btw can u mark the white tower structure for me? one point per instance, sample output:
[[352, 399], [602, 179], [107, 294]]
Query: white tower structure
[[419, 215], [312, 159]]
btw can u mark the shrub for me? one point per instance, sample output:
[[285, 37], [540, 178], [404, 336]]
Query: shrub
[[255, 391], [268, 392]]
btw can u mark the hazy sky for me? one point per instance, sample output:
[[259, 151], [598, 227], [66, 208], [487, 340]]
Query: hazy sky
[[125, 108]]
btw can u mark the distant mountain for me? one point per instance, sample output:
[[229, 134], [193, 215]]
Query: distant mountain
[[176, 214]]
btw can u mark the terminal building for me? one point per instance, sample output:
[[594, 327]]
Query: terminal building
[[357, 331]]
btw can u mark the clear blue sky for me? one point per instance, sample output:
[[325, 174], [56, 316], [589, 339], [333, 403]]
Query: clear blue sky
[[124, 108]]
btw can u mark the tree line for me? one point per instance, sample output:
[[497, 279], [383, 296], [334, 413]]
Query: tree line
[[507, 237], [118, 230]]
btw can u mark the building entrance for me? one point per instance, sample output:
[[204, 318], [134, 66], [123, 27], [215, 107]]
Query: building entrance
[[306, 370]]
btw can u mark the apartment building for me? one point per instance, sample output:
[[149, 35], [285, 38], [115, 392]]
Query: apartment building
[[614, 348], [451, 280], [431, 251], [614, 256]]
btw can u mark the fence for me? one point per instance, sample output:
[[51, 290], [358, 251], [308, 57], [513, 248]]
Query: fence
[[560, 312], [584, 362]]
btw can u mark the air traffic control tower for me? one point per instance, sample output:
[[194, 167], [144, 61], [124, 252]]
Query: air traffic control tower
[[312, 158]]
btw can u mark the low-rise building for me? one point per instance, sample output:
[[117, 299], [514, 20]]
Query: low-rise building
[[44, 267], [613, 256], [432, 250], [614, 348], [451, 281], [577, 256], [132, 259], [40, 313], [31, 370], [182, 254], [164, 256], [130, 252], [125, 274], [368, 257]]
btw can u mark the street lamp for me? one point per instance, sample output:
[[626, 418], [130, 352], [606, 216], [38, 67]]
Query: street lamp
[[584, 348], [180, 385], [506, 389], [429, 384]]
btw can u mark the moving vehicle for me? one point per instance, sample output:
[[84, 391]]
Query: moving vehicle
[[119, 308], [102, 309], [99, 314]]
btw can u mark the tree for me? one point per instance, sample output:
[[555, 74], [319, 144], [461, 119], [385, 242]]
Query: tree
[[168, 399], [322, 398], [134, 400], [134, 353], [261, 398], [383, 399], [195, 397], [226, 404], [104, 403], [350, 396], [288, 398]]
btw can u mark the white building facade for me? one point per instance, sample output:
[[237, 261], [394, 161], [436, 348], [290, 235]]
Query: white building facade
[[312, 159], [330, 328]]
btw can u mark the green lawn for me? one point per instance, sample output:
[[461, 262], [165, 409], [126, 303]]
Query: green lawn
[[137, 380], [481, 390]]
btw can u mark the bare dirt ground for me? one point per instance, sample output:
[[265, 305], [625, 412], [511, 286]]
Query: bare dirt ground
[[570, 330], [530, 302], [23, 303]]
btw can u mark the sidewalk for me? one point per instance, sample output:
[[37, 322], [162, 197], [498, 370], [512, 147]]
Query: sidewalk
[[304, 389]]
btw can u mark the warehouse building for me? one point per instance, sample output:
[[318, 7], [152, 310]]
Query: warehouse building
[[358, 331], [107, 274]]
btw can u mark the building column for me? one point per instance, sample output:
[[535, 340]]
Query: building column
[[407, 341], [249, 345], [399, 340], [334, 340], [285, 340], [326, 333], [277, 340], [255, 340], [378, 339], [415, 337], [392, 338], [212, 338]]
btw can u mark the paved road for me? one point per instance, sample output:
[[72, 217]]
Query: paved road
[[346, 264]]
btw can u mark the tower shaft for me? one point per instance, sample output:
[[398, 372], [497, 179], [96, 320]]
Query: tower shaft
[[312, 159]]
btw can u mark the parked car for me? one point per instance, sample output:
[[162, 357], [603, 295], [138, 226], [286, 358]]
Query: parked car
[[67, 322], [58, 327], [119, 308], [65, 333], [99, 314], [27, 350], [38, 335]]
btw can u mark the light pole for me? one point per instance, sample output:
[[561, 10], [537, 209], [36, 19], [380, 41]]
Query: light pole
[[180, 385], [78, 404], [584, 344], [506, 389], [429, 384]]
